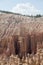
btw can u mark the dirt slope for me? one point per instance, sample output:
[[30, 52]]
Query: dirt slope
[[12, 24]]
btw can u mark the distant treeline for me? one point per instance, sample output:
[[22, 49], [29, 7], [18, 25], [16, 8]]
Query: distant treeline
[[8, 12], [36, 16]]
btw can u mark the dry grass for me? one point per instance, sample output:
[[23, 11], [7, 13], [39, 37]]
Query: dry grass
[[32, 59]]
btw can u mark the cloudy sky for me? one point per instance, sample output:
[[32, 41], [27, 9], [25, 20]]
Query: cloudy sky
[[25, 7]]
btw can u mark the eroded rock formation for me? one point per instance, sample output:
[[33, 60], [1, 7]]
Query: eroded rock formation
[[20, 34]]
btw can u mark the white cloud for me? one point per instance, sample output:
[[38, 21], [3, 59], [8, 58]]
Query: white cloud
[[25, 9]]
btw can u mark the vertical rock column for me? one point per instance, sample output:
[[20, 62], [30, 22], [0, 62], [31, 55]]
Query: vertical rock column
[[21, 46], [11, 45], [33, 44]]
